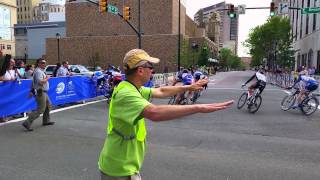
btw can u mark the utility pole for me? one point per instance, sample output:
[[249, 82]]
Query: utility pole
[[139, 25], [179, 37]]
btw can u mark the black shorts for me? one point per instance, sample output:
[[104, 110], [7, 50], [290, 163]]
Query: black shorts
[[259, 85]]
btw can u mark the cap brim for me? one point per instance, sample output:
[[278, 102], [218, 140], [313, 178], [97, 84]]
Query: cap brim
[[153, 60]]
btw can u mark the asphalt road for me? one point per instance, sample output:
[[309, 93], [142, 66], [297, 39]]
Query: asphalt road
[[227, 145]]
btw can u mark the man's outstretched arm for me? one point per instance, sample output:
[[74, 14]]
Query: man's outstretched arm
[[168, 91], [169, 112]]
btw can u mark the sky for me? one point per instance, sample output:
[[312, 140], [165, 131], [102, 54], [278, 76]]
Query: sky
[[247, 21]]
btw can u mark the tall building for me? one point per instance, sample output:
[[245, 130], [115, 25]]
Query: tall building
[[229, 27], [43, 11], [305, 29], [25, 10], [8, 17]]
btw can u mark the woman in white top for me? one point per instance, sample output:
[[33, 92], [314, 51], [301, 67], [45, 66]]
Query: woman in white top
[[8, 73]]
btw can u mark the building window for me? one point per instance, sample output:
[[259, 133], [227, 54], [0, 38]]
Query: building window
[[318, 62], [314, 18], [298, 60], [9, 47], [310, 58], [301, 20], [3, 46]]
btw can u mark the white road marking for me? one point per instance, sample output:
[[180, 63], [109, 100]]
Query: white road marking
[[53, 111]]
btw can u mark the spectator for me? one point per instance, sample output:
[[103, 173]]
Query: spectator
[[29, 71], [40, 88], [8, 73], [63, 70], [124, 148], [21, 69], [303, 71], [55, 71]]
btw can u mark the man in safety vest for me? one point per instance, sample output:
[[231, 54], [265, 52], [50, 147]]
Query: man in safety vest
[[124, 148]]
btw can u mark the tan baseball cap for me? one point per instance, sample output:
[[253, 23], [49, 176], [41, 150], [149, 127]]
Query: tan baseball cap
[[137, 57]]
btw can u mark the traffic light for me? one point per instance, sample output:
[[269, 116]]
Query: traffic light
[[272, 9], [103, 6], [126, 13], [231, 12]]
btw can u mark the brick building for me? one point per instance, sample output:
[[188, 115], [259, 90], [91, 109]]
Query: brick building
[[106, 37]]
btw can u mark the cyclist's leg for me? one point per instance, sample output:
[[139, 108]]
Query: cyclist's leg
[[178, 98], [252, 87]]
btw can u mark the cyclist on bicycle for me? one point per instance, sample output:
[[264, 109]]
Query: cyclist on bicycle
[[260, 83], [199, 75], [98, 75], [187, 79], [306, 84]]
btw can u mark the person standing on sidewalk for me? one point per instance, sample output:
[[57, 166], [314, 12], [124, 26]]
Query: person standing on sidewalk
[[40, 87], [125, 145]]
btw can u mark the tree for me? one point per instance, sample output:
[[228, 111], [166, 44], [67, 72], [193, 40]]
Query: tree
[[225, 58], [94, 60], [271, 40], [204, 55]]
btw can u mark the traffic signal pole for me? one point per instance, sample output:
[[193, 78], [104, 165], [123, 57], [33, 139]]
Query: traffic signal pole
[[137, 31]]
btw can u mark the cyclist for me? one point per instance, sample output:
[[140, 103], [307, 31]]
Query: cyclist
[[199, 75], [260, 83], [98, 75], [178, 78], [306, 84], [187, 79]]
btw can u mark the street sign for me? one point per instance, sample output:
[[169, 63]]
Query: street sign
[[242, 9], [112, 9], [283, 8], [310, 10]]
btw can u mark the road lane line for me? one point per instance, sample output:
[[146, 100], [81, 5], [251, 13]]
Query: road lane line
[[53, 111]]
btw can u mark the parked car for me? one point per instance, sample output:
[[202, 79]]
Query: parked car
[[80, 70], [75, 69], [49, 69]]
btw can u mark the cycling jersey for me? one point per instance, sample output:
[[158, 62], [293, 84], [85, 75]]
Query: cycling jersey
[[178, 76], [307, 83], [187, 79], [197, 75]]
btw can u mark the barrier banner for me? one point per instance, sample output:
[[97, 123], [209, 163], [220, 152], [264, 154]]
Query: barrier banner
[[70, 89], [14, 95], [14, 98]]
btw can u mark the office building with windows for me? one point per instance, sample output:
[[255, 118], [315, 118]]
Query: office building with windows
[[229, 27], [305, 29], [8, 17]]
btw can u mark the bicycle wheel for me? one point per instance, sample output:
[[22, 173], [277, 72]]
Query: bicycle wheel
[[172, 99], [195, 97], [255, 104], [287, 102], [242, 100], [309, 105]]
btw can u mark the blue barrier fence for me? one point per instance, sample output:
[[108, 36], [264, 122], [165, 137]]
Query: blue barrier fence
[[14, 95]]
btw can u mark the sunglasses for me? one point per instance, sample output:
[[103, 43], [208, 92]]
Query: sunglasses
[[147, 65]]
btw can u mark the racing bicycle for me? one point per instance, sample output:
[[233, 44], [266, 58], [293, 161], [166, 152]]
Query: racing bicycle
[[308, 105], [253, 102]]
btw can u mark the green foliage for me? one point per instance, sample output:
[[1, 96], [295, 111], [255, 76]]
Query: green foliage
[[269, 39], [204, 55], [228, 60]]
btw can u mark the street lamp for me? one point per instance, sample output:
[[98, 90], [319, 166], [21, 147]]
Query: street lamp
[[58, 36]]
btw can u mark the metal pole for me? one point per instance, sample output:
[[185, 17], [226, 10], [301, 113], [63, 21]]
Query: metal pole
[[179, 37], [139, 25], [58, 51]]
